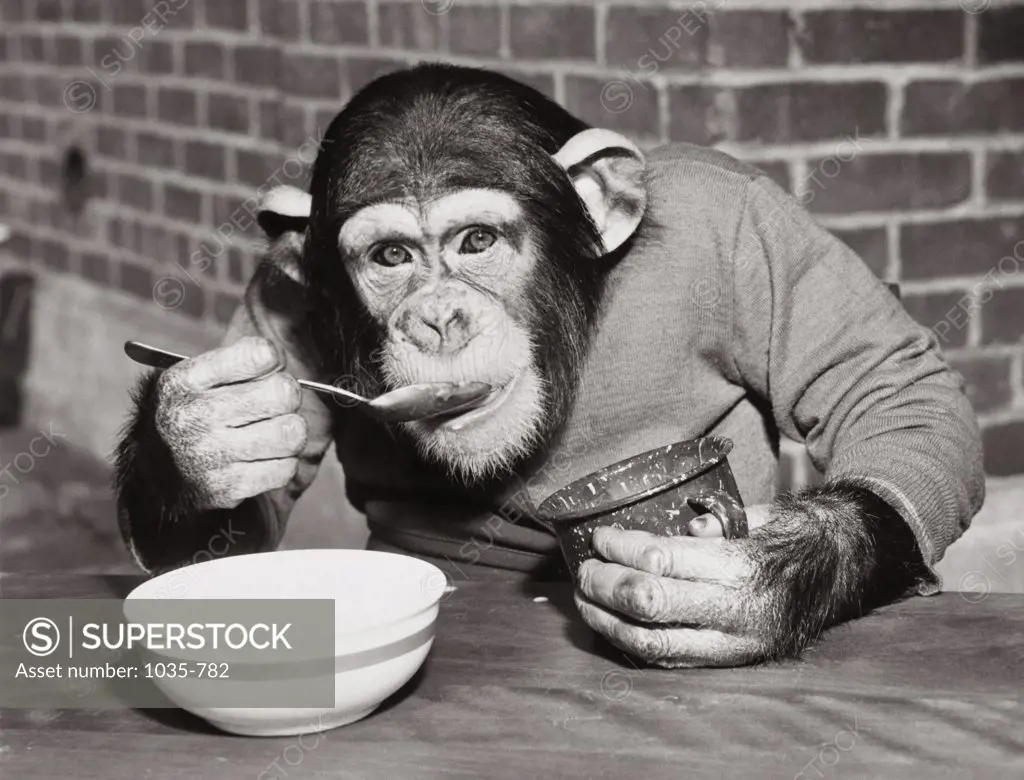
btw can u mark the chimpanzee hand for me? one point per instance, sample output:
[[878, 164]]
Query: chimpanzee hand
[[676, 601], [228, 418], [811, 561]]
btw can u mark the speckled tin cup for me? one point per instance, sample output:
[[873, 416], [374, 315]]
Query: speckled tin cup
[[659, 491]]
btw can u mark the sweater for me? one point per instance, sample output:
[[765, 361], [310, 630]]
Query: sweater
[[732, 313]]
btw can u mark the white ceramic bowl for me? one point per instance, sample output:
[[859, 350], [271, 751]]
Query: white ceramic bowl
[[385, 608]]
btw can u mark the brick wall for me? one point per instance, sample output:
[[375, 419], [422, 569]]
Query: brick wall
[[901, 124]]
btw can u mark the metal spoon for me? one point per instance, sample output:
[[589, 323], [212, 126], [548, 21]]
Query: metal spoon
[[412, 402]]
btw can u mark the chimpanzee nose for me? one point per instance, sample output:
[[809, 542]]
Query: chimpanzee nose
[[438, 326]]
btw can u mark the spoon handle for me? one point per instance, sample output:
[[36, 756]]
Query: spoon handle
[[161, 358]]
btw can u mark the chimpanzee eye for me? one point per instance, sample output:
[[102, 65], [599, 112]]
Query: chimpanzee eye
[[391, 255], [477, 240]]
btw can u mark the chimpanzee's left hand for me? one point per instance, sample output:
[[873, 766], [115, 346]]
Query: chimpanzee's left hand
[[681, 601]]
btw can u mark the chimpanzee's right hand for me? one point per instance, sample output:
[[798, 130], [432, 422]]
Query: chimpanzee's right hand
[[229, 418]]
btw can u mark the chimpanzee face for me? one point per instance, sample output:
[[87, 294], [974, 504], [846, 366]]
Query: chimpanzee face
[[447, 280], [457, 224]]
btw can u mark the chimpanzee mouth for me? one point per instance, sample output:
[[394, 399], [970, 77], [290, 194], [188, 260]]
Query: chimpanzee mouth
[[459, 418]]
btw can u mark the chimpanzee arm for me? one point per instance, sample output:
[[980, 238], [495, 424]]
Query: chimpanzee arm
[[158, 509], [848, 372]]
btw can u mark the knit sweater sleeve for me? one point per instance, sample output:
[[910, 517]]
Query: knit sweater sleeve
[[847, 371]]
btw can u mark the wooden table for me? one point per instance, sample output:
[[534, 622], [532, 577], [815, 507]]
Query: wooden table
[[520, 688]]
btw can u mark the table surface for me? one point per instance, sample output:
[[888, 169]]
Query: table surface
[[520, 688]]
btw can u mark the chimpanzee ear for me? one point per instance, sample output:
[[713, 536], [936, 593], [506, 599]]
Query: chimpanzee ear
[[609, 172], [283, 214]]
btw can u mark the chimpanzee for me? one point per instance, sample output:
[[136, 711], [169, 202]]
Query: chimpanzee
[[461, 226]]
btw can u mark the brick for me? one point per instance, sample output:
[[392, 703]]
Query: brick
[[155, 150], [33, 48], [136, 280], [644, 41], [224, 307], [474, 29], [230, 113], [13, 10], [178, 106], [335, 23], [787, 113], [111, 142], [312, 75], [881, 36], [227, 16], [986, 380], [69, 50], [1000, 33], [87, 10], [178, 15], [631, 107], [47, 10], [542, 82], [295, 123], [240, 212], [267, 119], [49, 173], [130, 100], [54, 255], [135, 191], [408, 26], [1004, 175], [283, 20], [205, 59], [255, 168], [1004, 455], [361, 71], [33, 128], [118, 233], [552, 32], [870, 244], [951, 107], [181, 203], [965, 247], [748, 39], [207, 160], [238, 266], [257, 65], [14, 88], [128, 12], [156, 57], [1002, 317], [700, 115], [51, 90], [948, 314], [885, 182], [95, 267]]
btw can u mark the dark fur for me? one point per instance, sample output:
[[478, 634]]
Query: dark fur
[[434, 130], [832, 553]]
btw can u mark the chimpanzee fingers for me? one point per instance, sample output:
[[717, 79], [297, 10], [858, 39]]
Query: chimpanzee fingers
[[250, 402], [652, 599], [230, 486], [247, 358], [680, 557], [670, 647], [278, 437]]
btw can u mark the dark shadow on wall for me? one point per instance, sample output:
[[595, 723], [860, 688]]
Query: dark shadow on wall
[[17, 290]]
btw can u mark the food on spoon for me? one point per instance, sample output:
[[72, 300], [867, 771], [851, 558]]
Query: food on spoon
[[419, 401]]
